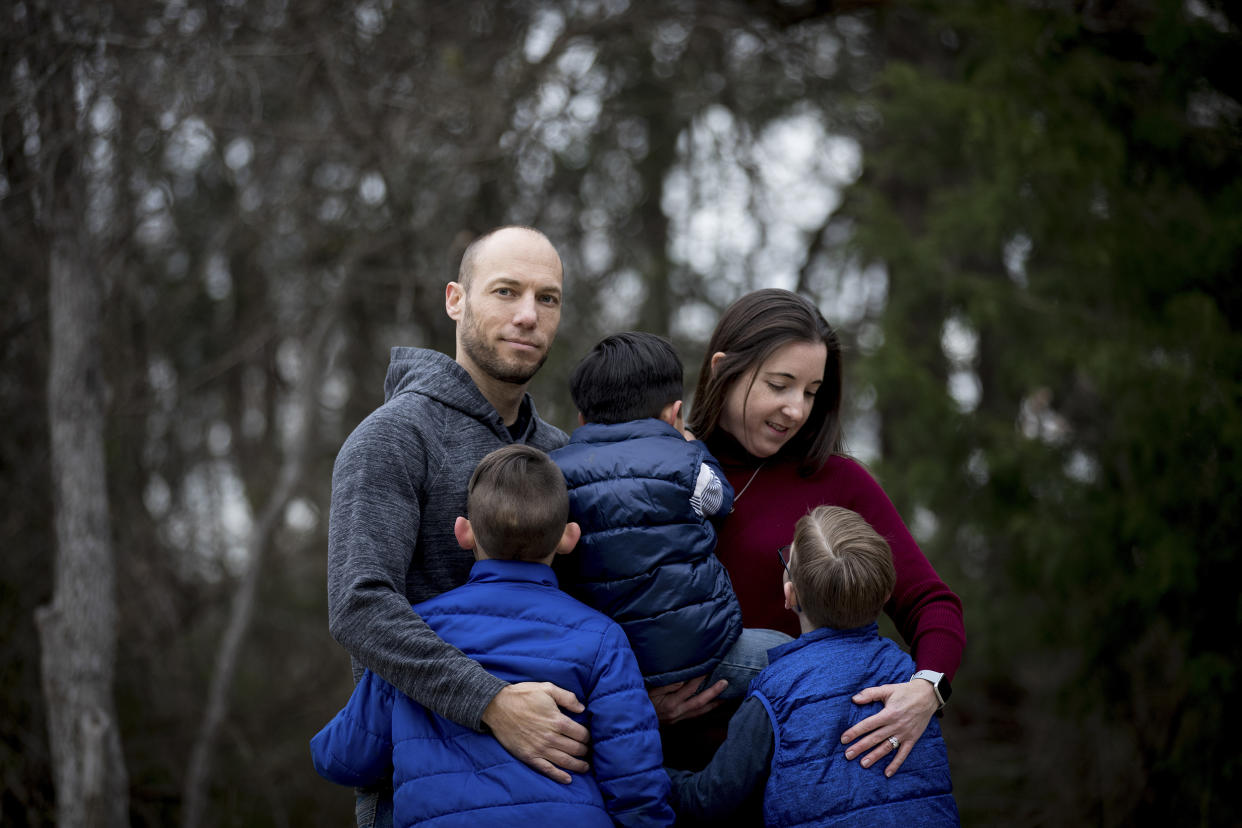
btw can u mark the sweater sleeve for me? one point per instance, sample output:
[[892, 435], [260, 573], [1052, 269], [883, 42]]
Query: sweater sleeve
[[626, 738], [712, 478], [373, 535], [926, 612], [355, 748], [739, 767]]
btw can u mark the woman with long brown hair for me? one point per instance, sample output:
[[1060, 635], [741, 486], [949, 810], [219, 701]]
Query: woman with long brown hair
[[768, 405]]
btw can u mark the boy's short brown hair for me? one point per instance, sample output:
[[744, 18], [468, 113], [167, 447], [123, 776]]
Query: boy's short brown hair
[[841, 567], [518, 505]]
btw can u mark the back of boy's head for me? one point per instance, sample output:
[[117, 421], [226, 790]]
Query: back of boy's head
[[842, 568], [627, 376], [517, 504]]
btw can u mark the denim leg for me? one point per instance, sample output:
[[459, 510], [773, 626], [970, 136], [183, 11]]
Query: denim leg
[[373, 807], [745, 659]]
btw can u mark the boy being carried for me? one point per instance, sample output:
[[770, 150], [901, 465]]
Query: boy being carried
[[785, 738], [645, 495], [514, 620]]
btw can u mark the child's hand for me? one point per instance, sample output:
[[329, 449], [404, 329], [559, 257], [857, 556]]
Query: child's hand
[[675, 702]]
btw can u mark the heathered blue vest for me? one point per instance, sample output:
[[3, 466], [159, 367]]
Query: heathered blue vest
[[807, 689], [647, 558]]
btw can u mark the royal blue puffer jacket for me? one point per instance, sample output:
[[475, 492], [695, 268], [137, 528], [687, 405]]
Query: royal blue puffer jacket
[[808, 689], [647, 556], [514, 620]]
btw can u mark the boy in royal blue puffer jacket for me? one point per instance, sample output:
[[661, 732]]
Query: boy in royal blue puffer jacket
[[645, 497], [785, 739], [513, 619]]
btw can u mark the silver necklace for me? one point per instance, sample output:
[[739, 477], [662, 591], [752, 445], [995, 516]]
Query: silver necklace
[[738, 496]]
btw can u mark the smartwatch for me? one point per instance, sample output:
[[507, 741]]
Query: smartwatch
[[940, 684]]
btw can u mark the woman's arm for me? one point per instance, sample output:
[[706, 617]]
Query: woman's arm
[[925, 611], [929, 617]]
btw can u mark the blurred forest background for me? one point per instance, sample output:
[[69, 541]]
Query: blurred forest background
[[216, 217]]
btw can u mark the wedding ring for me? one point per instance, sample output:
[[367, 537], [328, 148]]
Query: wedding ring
[[894, 741]]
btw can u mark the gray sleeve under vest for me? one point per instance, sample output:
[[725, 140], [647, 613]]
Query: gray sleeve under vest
[[373, 532]]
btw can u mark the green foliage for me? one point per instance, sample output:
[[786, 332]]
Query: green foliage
[[1067, 185]]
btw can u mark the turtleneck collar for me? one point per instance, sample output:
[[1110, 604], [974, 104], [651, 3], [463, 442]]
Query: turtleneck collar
[[731, 453]]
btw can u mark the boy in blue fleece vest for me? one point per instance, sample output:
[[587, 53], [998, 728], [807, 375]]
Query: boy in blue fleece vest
[[513, 619], [645, 497], [785, 739]]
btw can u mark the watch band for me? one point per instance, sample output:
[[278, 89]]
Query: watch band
[[940, 685]]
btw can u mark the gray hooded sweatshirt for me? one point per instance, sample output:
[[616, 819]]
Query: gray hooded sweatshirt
[[398, 485]]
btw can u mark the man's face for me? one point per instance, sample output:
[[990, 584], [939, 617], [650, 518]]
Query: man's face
[[508, 312]]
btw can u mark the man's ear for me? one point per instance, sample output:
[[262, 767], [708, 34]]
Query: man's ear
[[671, 414], [569, 538], [464, 532], [791, 596], [716, 357], [454, 300]]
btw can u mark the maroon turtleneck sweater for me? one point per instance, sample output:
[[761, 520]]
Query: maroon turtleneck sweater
[[926, 612]]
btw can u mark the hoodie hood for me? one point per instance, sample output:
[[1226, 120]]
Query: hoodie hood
[[434, 375], [438, 377]]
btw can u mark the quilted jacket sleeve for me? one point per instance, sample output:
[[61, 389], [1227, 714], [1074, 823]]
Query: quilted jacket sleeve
[[627, 758], [355, 748]]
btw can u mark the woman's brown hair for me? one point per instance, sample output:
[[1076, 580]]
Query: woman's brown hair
[[748, 333]]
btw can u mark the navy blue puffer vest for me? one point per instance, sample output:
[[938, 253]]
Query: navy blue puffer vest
[[647, 558]]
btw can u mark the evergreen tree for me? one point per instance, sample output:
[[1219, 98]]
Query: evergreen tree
[[1055, 192]]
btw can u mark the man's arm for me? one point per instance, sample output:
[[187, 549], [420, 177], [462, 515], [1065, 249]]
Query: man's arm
[[373, 534], [740, 766]]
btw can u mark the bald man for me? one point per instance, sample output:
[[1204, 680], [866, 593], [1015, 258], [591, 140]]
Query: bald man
[[400, 481]]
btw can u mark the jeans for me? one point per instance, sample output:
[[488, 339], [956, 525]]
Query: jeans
[[747, 656], [373, 807]]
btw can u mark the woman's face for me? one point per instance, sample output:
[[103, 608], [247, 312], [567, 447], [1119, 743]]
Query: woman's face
[[765, 414]]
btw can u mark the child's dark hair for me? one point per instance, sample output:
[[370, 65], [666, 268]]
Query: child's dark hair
[[518, 504], [627, 376], [842, 568]]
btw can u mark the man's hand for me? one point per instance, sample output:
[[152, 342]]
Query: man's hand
[[907, 710], [526, 719], [675, 702]]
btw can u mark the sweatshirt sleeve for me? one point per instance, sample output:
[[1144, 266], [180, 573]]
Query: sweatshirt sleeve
[[373, 532], [711, 478], [926, 612], [626, 738], [739, 767], [355, 748]]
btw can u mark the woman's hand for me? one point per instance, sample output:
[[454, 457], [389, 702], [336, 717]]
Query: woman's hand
[[907, 710], [674, 702]]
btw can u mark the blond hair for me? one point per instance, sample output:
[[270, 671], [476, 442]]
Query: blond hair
[[842, 568]]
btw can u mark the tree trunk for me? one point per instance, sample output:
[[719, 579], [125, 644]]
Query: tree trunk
[[78, 629]]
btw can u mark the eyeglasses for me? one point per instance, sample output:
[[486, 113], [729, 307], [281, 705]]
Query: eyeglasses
[[783, 554]]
